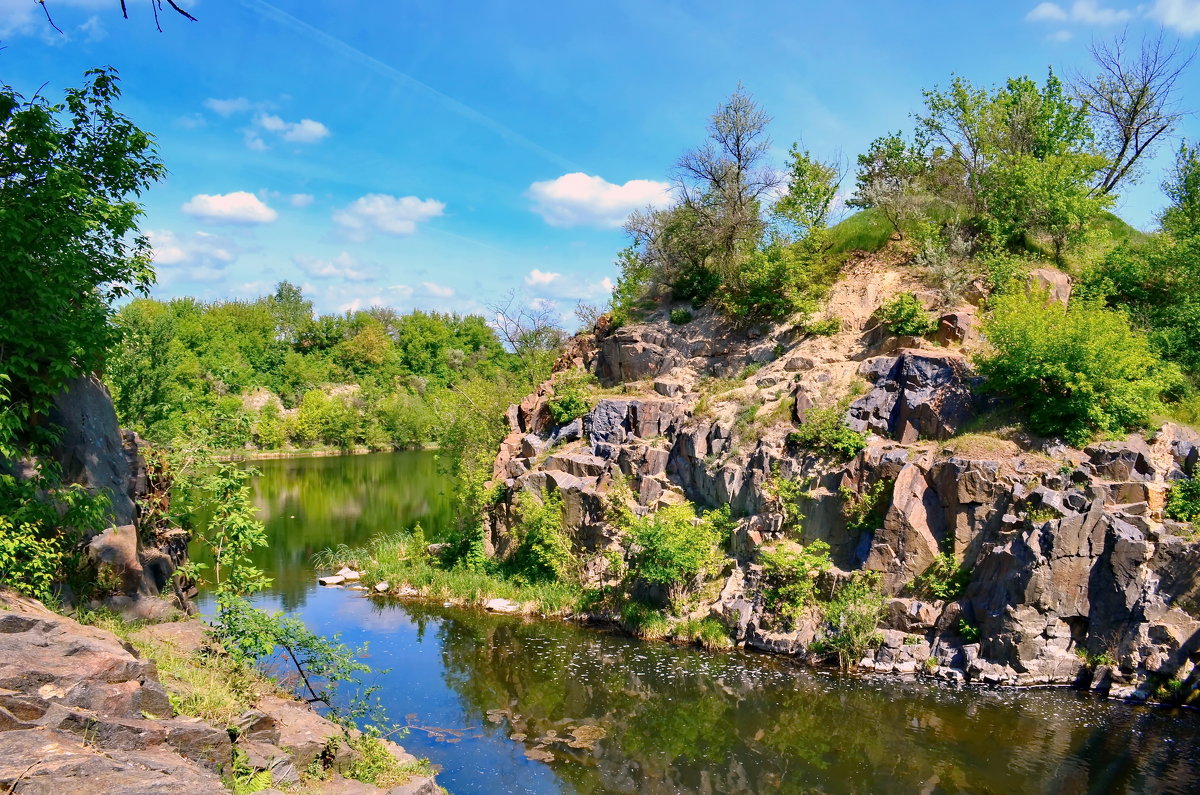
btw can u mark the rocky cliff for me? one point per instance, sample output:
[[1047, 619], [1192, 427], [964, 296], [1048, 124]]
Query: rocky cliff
[[1075, 576]]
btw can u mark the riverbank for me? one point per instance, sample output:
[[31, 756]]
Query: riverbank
[[229, 454], [108, 705]]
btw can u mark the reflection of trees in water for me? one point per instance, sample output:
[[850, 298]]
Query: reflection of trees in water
[[681, 720], [340, 500]]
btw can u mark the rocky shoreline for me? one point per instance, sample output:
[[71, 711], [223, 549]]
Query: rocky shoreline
[[82, 712]]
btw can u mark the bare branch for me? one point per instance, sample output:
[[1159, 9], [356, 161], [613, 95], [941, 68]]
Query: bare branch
[[42, 3], [1132, 100]]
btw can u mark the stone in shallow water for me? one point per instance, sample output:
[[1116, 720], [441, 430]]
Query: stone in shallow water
[[502, 606], [332, 579], [349, 573]]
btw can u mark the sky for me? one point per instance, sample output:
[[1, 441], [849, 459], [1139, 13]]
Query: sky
[[437, 154]]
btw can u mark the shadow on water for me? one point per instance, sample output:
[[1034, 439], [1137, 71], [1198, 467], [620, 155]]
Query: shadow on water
[[508, 705]]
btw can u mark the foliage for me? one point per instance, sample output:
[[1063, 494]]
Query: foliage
[[681, 317], [1077, 371], [790, 574], [968, 630], [865, 512], [1181, 218], [43, 524], [905, 316], [788, 495], [543, 547], [70, 175], [824, 431], [772, 282], [1183, 501], [945, 578], [812, 186], [852, 617], [374, 764], [570, 399], [672, 547]]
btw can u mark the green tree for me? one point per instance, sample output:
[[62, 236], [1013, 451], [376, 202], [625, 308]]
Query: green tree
[[70, 176], [812, 186], [1181, 219]]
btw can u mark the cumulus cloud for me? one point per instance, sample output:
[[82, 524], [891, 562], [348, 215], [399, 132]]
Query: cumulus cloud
[[1083, 12], [300, 199], [305, 131], [239, 207], [392, 215], [344, 267], [580, 199], [1183, 16], [536, 277]]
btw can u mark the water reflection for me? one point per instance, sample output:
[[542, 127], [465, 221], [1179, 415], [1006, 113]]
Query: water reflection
[[308, 504], [506, 705]]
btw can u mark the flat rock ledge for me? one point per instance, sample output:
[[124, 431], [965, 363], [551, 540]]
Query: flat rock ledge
[[82, 714]]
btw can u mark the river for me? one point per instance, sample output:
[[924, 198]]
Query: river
[[505, 705]]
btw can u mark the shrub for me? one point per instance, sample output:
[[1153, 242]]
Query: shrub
[[570, 399], [772, 283], [644, 621], [787, 495], [865, 512], [968, 630], [708, 633], [681, 317], [1078, 371], [824, 328], [1183, 501], [945, 579], [672, 547], [790, 574], [853, 616], [543, 548], [905, 316], [824, 431]]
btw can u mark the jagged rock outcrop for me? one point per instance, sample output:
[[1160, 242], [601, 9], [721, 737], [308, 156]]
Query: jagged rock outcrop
[[1070, 558]]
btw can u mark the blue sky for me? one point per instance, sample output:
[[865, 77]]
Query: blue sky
[[438, 154]]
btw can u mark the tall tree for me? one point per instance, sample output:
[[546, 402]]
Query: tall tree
[[1133, 101], [723, 182], [70, 177]]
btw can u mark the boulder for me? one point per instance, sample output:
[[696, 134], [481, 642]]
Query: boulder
[[1053, 282], [917, 394], [64, 662]]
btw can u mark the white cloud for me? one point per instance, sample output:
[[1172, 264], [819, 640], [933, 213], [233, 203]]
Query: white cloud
[[1061, 36], [402, 290], [439, 290], [344, 266], [228, 107], [305, 131], [300, 199], [1090, 12], [239, 207], [1047, 12], [1083, 12], [362, 303], [200, 257], [581, 199], [536, 277], [255, 142], [379, 212], [1183, 16]]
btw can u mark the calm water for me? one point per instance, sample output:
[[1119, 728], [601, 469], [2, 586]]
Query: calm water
[[604, 713]]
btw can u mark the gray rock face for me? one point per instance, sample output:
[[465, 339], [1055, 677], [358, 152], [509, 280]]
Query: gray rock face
[[91, 450], [1067, 553], [917, 394]]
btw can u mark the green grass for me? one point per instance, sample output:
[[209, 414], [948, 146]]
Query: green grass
[[866, 230], [709, 633], [401, 560], [643, 621], [375, 764], [210, 686]]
